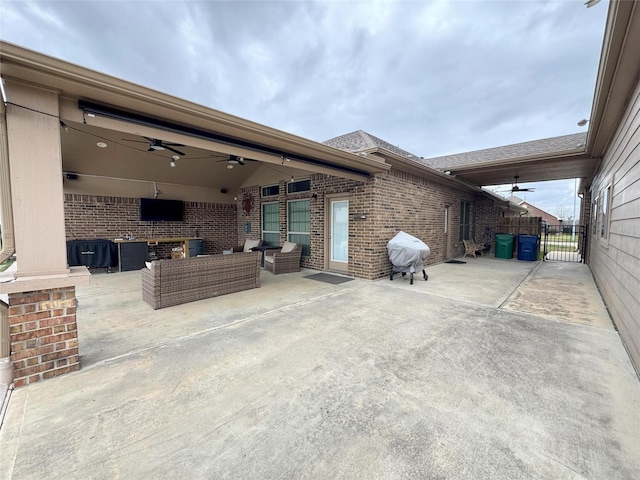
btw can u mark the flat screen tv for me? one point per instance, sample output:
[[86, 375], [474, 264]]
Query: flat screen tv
[[157, 210]]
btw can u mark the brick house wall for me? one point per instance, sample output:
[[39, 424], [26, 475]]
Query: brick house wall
[[486, 221], [534, 211], [391, 202], [94, 216], [43, 334], [415, 205], [249, 199]]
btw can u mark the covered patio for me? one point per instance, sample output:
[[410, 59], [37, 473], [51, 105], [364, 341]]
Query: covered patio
[[490, 369]]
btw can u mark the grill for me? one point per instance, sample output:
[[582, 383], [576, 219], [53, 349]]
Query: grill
[[407, 254]]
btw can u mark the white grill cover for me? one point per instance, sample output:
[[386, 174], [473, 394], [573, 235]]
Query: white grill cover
[[407, 253]]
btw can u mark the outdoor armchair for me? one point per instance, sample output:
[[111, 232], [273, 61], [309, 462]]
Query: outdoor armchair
[[248, 245], [285, 260]]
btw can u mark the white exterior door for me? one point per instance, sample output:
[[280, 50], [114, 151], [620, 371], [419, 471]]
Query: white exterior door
[[339, 235]]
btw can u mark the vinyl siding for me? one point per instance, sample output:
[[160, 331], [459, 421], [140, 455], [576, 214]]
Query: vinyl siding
[[615, 261]]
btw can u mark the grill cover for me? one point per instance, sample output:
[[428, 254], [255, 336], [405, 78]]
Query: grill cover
[[407, 253]]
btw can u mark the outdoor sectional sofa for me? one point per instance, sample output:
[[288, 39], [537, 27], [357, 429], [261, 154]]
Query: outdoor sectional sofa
[[171, 282]]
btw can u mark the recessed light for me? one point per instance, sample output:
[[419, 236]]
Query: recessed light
[[229, 166], [101, 145]]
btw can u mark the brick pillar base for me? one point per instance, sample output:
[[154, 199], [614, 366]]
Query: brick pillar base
[[44, 334]]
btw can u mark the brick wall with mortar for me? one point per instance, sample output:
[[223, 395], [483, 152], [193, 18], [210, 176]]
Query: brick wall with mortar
[[415, 205], [254, 217], [486, 221], [391, 202], [248, 207], [43, 334], [95, 216]]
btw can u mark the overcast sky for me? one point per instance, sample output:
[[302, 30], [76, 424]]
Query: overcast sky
[[433, 77]]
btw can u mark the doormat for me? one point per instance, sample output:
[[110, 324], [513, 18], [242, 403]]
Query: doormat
[[326, 278], [454, 261]]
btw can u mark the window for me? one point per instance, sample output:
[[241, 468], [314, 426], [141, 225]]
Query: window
[[605, 199], [465, 220], [271, 223], [594, 216], [270, 190], [298, 224], [299, 186]]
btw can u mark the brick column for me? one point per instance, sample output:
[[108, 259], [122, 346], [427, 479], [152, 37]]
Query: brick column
[[44, 334]]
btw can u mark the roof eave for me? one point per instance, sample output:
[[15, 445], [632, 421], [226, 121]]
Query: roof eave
[[74, 81], [618, 73]]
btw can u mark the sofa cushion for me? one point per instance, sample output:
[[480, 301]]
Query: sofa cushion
[[268, 258], [288, 247], [249, 244]]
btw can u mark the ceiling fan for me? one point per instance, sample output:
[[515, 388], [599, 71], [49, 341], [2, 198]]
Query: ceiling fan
[[230, 160], [158, 145], [233, 160], [516, 188]]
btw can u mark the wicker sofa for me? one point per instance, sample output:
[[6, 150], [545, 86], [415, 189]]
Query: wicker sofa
[[172, 282]]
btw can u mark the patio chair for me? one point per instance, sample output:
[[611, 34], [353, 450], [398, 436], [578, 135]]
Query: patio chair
[[470, 248], [248, 245], [285, 260]]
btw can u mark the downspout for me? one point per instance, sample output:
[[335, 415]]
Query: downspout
[[8, 243]]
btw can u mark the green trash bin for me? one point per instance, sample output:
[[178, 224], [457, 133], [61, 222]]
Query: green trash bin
[[504, 245]]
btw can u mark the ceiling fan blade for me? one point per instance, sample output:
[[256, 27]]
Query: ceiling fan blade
[[172, 144], [165, 145]]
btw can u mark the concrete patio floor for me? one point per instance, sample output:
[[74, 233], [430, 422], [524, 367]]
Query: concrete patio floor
[[492, 369]]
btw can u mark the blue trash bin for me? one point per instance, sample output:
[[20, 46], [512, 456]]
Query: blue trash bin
[[528, 247]]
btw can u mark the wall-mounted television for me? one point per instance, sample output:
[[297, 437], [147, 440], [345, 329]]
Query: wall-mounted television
[[157, 210]]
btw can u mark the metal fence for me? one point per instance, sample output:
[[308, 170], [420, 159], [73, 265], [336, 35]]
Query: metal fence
[[564, 243]]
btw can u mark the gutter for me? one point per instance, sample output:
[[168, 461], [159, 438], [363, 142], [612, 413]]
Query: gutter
[[8, 241], [416, 167]]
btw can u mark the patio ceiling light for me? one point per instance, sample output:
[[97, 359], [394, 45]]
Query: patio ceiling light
[[92, 109], [101, 145], [172, 163]]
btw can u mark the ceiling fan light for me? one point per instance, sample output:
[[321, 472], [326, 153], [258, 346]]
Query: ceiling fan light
[[157, 147]]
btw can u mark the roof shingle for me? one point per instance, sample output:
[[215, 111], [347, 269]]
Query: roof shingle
[[517, 150], [360, 140]]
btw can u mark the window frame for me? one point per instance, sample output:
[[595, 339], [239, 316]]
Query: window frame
[[296, 182], [604, 225], [465, 212], [270, 232], [262, 189], [305, 252]]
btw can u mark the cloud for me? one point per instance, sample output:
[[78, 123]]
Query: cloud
[[433, 77]]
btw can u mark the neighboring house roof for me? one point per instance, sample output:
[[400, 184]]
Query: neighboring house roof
[[532, 208], [360, 140], [517, 150]]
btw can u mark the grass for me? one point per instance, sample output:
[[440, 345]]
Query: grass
[[560, 248], [562, 237], [6, 265]]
